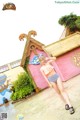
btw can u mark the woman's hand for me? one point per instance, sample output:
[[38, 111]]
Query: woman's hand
[[51, 58]]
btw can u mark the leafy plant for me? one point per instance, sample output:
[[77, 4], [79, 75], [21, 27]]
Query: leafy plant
[[26, 63], [71, 21], [22, 86], [77, 22]]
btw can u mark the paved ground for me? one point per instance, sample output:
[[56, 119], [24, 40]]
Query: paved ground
[[47, 105]]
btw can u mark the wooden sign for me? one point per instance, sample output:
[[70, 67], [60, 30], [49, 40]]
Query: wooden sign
[[9, 6]]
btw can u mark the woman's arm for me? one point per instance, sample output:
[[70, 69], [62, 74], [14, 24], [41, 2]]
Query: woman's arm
[[45, 77], [50, 59]]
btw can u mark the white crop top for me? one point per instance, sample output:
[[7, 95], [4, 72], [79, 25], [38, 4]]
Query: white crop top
[[47, 68]]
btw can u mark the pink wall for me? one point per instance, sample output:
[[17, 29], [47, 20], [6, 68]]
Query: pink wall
[[65, 66], [36, 74]]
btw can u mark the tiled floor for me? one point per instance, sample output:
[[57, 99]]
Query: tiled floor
[[46, 105]]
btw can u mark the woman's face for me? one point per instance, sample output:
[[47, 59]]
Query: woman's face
[[43, 61]]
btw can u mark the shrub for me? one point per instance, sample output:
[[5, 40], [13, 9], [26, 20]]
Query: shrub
[[71, 21], [22, 86]]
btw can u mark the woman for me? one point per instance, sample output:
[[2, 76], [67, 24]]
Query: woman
[[54, 80]]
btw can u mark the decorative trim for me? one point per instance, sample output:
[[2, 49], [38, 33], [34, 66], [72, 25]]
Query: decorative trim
[[76, 59]]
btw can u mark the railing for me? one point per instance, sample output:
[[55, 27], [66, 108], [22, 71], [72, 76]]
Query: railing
[[10, 66]]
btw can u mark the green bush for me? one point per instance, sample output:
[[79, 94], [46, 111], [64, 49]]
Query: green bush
[[72, 21], [22, 86], [77, 22]]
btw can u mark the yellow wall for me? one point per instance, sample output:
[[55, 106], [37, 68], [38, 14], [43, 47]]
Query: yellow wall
[[13, 73]]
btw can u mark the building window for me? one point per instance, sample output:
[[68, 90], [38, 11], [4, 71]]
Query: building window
[[4, 68], [15, 64]]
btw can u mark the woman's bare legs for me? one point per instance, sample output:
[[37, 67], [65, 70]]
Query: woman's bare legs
[[63, 95], [63, 92], [58, 91]]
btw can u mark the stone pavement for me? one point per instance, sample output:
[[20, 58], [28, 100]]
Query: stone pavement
[[46, 105]]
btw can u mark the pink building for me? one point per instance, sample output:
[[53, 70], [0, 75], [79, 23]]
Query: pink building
[[32, 49], [66, 50]]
